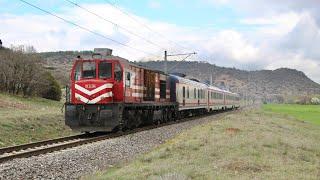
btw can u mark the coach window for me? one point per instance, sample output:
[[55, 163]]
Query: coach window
[[188, 95], [88, 70], [195, 93], [183, 92], [117, 72], [105, 70]]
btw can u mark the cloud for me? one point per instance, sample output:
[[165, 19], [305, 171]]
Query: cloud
[[154, 4], [283, 37]]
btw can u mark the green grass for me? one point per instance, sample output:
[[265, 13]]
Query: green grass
[[24, 120], [309, 113], [248, 145]]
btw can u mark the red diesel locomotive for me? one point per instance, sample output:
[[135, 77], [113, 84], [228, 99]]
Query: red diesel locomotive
[[110, 93]]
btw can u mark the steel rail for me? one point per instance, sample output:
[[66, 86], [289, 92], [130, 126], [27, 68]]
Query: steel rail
[[38, 148], [39, 143]]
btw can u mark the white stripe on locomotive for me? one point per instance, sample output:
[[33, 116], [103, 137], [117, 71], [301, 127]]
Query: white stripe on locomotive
[[87, 92]]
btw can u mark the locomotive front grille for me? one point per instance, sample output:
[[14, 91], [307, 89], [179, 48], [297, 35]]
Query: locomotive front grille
[[89, 116]]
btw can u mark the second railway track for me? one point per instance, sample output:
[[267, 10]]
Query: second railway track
[[48, 146]]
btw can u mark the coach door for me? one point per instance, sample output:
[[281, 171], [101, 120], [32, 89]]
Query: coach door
[[183, 96], [208, 98]]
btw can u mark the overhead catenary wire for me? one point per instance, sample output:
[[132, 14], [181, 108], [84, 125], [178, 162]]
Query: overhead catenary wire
[[146, 26], [86, 29], [115, 24], [151, 30]]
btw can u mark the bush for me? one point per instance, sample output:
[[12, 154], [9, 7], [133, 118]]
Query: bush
[[53, 90], [304, 100], [315, 101]]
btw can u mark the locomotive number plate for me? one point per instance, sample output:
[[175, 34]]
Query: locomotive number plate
[[90, 86]]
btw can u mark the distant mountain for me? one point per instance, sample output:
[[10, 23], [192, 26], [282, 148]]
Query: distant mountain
[[263, 84]]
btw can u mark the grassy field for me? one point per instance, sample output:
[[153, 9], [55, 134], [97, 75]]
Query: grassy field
[[309, 113], [253, 144], [25, 120]]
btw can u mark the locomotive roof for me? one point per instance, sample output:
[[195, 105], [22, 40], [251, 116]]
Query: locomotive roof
[[126, 61]]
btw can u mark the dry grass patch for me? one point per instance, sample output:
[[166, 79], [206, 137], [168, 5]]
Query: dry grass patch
[[24, 120], [248, 145]]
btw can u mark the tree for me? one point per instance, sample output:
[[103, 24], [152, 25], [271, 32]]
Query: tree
[[315, 101], [53, 90], [21, 73]]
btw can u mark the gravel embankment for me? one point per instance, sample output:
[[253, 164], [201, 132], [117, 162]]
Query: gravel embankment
[[76, 162]]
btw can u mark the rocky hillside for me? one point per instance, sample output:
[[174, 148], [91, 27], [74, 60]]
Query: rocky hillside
[[270, 85], [262, 84]]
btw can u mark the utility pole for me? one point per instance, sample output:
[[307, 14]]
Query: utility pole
[[165, 62], [166, 55]]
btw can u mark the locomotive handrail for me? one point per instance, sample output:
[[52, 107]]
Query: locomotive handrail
[[68, 100]]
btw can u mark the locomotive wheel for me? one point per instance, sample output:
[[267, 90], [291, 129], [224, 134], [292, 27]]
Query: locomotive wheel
[[130, 119], [138, 118], [170, 114], [164, 115]]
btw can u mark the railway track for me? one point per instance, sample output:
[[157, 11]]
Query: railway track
[[48, 146]]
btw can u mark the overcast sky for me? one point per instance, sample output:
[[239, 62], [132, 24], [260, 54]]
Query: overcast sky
[[246, 34]]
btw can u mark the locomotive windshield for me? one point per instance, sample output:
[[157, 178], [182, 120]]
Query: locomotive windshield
[[105, 70], [88, 70]]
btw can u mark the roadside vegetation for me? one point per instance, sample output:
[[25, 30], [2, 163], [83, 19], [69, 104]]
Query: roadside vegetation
[[253, 144], [309, 113], [24, 120], [21, 73]]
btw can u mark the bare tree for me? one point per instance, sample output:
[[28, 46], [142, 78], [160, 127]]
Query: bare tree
[[21, 71]]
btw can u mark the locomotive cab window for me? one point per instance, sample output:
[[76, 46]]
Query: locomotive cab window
[[117, 72], [77, 72], [89, 70], [105, 70]]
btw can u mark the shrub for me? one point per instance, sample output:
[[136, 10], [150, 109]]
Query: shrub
[[53, 90], [315, 101], [304, 100]]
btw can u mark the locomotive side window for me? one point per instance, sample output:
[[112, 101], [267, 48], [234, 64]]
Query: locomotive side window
[[117, 72], [163, 88], [105, 70], [77, 73], [89, 70], [128, 79]]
